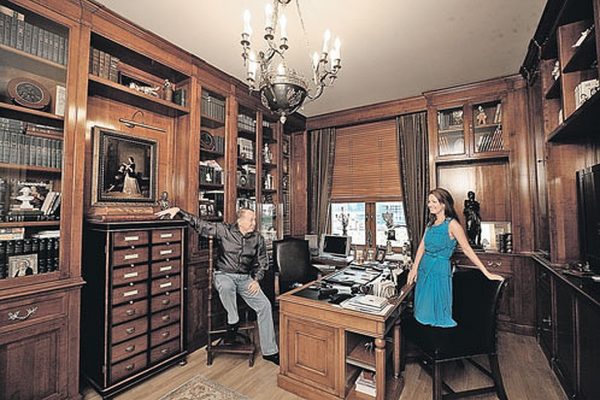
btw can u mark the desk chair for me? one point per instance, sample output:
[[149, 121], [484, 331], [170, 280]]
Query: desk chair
[[475, 309], [291, 259], [246, 328]]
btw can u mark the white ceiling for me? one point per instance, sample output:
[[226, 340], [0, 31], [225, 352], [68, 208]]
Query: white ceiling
[[391, 49]]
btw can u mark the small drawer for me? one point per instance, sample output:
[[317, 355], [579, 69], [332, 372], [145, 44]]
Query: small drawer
[[130, 311], [166, 300], [164, 351], [166, 251], [128, 367], [14, 313], [134, 273], [132, 238], [129, 293], [163, 268], [130, 256], [129, 330], [166, 317], [165, 284], [166, 235], [129, 348], [165, 334]]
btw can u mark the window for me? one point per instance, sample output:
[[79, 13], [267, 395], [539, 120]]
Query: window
[[356, 220], [397, 220]]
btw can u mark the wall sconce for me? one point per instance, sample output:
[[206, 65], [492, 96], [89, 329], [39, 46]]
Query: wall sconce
[[131, 123]]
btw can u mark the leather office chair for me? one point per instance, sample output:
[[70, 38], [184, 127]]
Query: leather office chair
[[475, 309], [291, 258], [218, 318]]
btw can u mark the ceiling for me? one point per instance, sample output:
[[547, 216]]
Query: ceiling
[[391, 49]]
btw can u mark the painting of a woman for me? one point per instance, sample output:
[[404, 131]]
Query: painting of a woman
[[131, 185]]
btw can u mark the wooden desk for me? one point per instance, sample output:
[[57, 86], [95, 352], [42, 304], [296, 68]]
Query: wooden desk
[[322, 347]]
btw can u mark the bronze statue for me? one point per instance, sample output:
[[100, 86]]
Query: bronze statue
[[473, 220]]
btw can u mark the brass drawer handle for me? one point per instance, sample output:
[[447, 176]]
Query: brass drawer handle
[[131, 256], [166, 334], [130, 293], [130, 312], [167, 284], [129, 331], [130, 275], [130, 367], [130, 238], [129, 349], [166, 317], [163, 252], [16, 316], [166, 268], [166, 302], [166, 235]]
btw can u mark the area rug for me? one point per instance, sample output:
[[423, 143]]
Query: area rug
[[200, 388]]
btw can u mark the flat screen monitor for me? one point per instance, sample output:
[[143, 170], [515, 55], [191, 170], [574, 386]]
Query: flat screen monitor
[[334, 245]]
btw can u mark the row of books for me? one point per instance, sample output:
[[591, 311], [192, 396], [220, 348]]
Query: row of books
[[246, 123], [15, 32], [213, 107], [23, 149], [104, 65], [36, 255], [18, 126], [490, 141]]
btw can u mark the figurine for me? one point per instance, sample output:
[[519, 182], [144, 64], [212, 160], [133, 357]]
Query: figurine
[[163, 202], [473, 220], [481, 116], [388, 217], [25, 198], [152, 91], [168, 90], [344, 219], [267, 154]]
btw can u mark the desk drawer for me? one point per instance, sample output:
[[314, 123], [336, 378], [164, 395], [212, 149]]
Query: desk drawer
[[129, 348], [128, 367], [163, 351], [166, 235], [125, 275], [132, 238], [130, 256], [165, 334], [129, 330], [166, 251], [163, 268], [165, 284], [166, 300], [127, 312], [15, 313], [166, 317], [130, 292]]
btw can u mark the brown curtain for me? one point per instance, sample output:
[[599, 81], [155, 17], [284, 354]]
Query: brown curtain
[[321, 159], [414, 175]]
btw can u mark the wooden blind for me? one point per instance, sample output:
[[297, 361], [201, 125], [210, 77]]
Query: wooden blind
[[366, 163]]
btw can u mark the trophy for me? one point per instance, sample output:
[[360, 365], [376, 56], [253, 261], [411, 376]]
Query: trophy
[[388, 217], [344, 219]]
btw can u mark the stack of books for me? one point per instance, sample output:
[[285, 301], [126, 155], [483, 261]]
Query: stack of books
[[367, 303], [365, 383]]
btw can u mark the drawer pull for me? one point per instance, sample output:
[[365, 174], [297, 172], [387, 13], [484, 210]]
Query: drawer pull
[[163, 252], [130, 238], [166, 334], [129, 331], [164, 285], [131, 348], [131, 256], [16, 316], [164, 351], [130, 275], [131, 293], [166, 318], [166, 268], [130, 312], [130, 367], [166, 235], [166, 302]]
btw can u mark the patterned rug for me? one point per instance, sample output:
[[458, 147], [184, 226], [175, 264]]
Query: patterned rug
[[200, 388]]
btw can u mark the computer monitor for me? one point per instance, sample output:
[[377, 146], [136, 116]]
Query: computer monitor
[[313, 244], [334, 245]]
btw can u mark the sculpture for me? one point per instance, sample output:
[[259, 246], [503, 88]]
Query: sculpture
[[481, 116], [388, 217], [25, 198], [164, 203], [473, 220], [344, 220]]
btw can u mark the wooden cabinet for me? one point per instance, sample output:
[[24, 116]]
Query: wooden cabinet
[[589, 355], [544, 311], [137, 284], [564, 360]]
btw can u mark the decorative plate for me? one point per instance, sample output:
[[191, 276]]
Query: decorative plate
[[207, 141], [28, 93]]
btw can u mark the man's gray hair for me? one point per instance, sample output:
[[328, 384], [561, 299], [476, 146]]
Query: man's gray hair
[[243, 211]]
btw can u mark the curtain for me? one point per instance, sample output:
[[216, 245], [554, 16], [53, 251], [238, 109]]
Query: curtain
[[321, 159], [414, 174]]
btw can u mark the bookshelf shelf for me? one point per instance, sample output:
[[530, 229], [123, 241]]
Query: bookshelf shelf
[[488, 126], [209, 186], [269, 165], [211, 122], [245, 133], [29, 62], [42, 61], [28, 224], [460, 159], [30, 168], [114, 91], [554, 91], [242, 161], [578, 125], [204, 152], [13, 110], [584, 55]]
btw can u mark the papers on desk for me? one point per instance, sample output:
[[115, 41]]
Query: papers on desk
[[368, 303], [350, 277], [324, 268]]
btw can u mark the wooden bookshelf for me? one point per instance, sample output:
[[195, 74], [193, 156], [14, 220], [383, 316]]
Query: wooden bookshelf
[[28, 224], [554, 91], [30, 168], [578, 125], [584, 55], [20, 112], [210, 122]]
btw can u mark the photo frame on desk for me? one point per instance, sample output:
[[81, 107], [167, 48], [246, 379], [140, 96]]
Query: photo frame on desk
[[380, 255], [124, 169]]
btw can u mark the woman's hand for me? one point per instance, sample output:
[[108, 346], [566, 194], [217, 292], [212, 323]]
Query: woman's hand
[[412, 276], [170, 212], [494, 277]]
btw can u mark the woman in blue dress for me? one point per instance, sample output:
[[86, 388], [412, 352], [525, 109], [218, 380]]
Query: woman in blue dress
[[431, 269]]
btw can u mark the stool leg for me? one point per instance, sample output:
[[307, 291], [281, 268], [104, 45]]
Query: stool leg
[[437, 381], [497, 376]]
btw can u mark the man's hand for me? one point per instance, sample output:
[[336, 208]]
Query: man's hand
[[170, 212], [253, 288]]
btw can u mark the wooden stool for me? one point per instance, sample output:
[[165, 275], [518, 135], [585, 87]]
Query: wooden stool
[[246, 328]]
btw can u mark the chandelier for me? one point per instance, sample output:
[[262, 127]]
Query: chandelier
[[282, 89]]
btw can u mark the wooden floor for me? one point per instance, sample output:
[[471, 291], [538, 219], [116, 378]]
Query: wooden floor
[[524, 369]]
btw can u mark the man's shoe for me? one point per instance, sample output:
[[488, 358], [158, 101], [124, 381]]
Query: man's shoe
[[229, 338], [274, 358]]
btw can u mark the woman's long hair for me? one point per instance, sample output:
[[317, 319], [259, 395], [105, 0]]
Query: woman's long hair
[[445, 198]]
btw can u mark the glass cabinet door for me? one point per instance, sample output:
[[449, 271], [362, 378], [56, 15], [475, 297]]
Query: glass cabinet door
[[487, 127], [451, 135]]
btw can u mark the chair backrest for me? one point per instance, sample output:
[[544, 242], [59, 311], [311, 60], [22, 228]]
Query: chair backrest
[[291, 257], [475, 304]]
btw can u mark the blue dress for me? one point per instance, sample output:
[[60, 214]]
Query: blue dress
[[433, 293]]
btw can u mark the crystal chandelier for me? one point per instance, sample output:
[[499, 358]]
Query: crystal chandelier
[[282, 89]]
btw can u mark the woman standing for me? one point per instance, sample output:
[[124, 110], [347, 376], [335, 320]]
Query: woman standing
[[431, 270], [131, 185]]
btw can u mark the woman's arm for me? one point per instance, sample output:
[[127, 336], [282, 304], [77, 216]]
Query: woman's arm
[[412, 275], [457, 232]]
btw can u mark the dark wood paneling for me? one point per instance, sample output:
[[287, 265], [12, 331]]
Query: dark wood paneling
[[299, 188]]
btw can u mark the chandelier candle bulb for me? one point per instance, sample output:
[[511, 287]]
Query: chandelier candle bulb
[[247, 26], [268, 17], [326, 37], [283, 27]]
